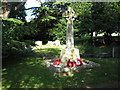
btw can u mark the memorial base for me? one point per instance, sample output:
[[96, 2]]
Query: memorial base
[[69, 53], [69, 71]]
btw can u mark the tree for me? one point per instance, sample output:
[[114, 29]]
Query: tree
[[105, 17], [83, 23], [48, 15]]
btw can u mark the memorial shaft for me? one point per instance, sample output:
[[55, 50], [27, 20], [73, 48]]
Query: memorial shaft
[[69, 15], [69, 34]]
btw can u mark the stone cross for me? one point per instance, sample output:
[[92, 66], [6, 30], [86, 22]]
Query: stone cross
[[70, 15], [69, 52]]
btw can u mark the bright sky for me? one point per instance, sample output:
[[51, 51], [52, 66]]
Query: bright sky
[[29, 4]]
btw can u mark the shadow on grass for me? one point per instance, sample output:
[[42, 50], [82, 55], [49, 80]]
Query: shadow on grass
[[28, 71], [29, 74]]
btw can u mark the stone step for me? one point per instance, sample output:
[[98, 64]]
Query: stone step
[[63, 71]]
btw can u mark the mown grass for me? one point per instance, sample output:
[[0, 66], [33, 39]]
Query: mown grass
[[29, 72]]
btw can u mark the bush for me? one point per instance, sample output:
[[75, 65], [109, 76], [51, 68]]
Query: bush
[[87, 48], [13, 32]]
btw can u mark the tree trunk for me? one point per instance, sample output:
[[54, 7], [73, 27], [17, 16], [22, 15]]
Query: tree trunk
[[6, 8], [91, 37], [118, 34], [96, 33]]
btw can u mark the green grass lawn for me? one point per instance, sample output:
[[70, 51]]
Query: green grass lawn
[[29, 72]]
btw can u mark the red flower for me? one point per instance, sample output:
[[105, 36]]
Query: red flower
[[57, 62]]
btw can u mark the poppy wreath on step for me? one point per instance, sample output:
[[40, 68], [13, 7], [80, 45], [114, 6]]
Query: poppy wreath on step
[[70, 63], [57, 62], [77, 62]]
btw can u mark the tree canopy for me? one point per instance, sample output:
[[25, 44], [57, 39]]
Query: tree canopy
[[48, 24], [91, 17]]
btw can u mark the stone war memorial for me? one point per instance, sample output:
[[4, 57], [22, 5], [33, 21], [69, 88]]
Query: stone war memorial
[[69, 61]]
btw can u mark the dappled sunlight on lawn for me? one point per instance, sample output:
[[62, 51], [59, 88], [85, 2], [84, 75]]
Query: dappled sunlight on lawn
[[27, 75], [31, 73]]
